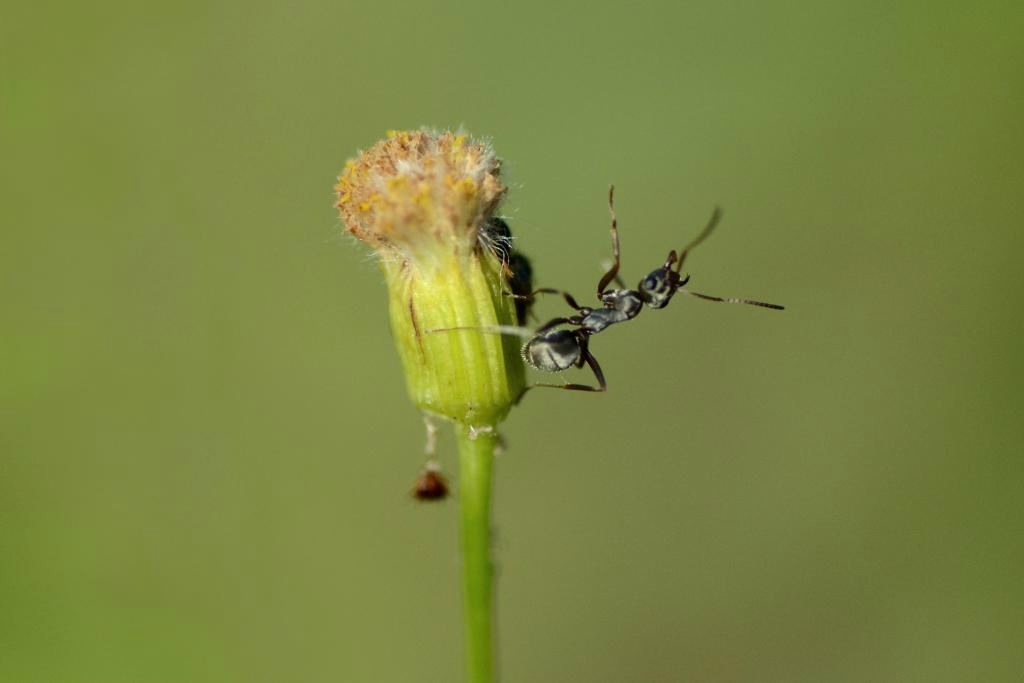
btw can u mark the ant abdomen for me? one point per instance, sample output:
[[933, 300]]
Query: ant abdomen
[[553, 351]]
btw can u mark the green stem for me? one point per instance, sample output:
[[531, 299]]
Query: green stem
[[475, 459]]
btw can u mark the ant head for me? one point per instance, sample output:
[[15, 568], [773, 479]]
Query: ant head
[[660, 284], [658, 287]]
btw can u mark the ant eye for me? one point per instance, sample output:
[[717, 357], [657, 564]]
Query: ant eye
[[650, 283]]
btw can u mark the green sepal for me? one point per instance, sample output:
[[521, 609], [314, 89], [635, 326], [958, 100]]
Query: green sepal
[[470, 376]]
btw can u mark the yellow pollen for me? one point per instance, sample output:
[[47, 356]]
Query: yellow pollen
[[422, 197], [396, 185], [467, 186]]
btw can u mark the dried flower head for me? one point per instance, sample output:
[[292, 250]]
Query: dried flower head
[[416, 191]]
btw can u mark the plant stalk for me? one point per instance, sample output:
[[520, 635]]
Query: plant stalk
[[476, 456]]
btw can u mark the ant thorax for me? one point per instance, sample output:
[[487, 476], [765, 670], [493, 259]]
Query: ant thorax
[[620, 305]]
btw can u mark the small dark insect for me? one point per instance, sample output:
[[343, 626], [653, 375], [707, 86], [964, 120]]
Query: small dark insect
[[497, 237], [521, 283], [430, 485], [554, 348]]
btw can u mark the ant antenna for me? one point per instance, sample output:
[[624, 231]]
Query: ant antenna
[[715, 217], [732, 300], [614, 270]]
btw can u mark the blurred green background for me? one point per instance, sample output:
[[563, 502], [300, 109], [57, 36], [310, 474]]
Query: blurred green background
[[205, 445]]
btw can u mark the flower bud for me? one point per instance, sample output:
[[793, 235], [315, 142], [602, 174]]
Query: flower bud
[[420, 200]]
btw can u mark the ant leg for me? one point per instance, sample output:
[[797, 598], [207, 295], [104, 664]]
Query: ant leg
[[569, 299], [592, 362], [614, 270], [511, 330], [555, 322], [715, 217], [548, 290], [732, 300], [606, 264]]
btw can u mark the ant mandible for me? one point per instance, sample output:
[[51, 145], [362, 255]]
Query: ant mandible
[[552, 348]]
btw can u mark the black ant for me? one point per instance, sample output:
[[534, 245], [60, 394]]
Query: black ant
[[553, 350]]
